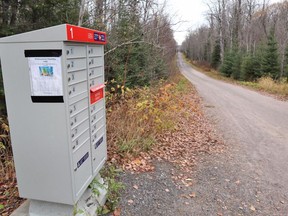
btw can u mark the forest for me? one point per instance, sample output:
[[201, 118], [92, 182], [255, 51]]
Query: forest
[[141, 44], [139, 53], [244, 39]]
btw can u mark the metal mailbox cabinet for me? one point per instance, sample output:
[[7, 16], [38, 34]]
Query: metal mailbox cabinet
[[54, 87]]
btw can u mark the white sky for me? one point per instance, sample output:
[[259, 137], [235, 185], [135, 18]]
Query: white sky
[[190, 14]]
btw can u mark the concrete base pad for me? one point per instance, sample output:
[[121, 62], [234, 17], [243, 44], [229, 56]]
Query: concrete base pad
[[87, 204]]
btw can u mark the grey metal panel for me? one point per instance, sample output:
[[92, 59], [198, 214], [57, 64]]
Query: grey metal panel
[[38, 131], [75, 51], [78, 76], [95, 50], [51, 34], [82, 173], [45, 153], [96, 71], [76, 64], [78, 106]]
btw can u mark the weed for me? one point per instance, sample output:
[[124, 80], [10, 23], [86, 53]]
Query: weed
[[182, 85], [110, 175], [133, 146]]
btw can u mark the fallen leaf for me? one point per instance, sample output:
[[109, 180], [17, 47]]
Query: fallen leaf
[[252, 208], [135, 187], [187, 203], [237, 182], [282, 201], [167, 190], [117, 212]]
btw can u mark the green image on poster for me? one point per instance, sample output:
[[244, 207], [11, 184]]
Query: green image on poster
[[46, 71]]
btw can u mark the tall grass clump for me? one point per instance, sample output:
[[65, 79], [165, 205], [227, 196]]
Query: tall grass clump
[[136, 116], [275, 87]]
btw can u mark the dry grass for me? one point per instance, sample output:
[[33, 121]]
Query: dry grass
[[268, 85], [264, 84], [208, 70], [9, 198], [134, 120]]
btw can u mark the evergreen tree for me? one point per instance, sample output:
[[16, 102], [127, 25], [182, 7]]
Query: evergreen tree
[[216, 58], [286, 64], [226, 67], [236, 65], [250, 67], [270, 63]]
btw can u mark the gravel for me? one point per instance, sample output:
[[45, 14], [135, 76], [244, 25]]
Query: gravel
[[249, 178]]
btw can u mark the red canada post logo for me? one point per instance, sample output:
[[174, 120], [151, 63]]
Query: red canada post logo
[[90, 36]]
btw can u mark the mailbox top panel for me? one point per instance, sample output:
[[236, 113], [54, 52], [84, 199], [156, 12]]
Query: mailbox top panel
[[64, 32]]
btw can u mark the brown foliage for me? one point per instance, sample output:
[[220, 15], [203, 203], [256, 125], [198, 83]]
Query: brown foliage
[[159, 123], [9, 197]]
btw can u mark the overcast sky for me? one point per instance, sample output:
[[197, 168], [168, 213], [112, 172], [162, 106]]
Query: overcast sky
[[190, 14]]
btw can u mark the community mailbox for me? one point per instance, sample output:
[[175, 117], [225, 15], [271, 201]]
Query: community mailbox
[[54, 88]]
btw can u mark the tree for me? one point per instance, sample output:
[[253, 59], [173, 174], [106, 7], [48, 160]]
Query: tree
[[236, 65], [250, 67], [286, 63], [227, 65], [216, 58], [270, 63]]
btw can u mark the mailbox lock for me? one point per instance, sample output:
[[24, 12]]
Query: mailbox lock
[[75, 169], [67, 52], [69, 79], [73, 147], [72, 123], [70, 92]]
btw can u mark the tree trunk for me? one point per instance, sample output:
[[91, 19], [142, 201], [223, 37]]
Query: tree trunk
[[81, 13]]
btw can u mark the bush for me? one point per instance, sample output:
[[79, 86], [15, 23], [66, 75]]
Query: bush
[[250, 68], [269, 85]]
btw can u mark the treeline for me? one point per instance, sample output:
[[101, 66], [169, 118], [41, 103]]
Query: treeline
[[244, 39], [141, 45]]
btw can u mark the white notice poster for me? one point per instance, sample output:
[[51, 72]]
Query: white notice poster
[[46, 76]]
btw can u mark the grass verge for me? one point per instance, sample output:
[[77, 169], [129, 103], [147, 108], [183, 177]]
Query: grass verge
[[134, 121], [264, 84]]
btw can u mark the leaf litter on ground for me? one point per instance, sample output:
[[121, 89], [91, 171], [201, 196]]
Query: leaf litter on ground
[[191, 136]]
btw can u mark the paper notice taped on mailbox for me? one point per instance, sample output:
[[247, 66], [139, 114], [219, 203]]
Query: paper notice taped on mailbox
[[45, 76]]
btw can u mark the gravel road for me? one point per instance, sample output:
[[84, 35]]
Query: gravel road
[[256, 129], [249, 178]]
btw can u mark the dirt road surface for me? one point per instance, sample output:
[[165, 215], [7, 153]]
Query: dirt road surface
[[249, 178], [253, 179]]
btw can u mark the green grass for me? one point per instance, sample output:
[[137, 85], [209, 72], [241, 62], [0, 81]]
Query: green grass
[[135, 146]]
